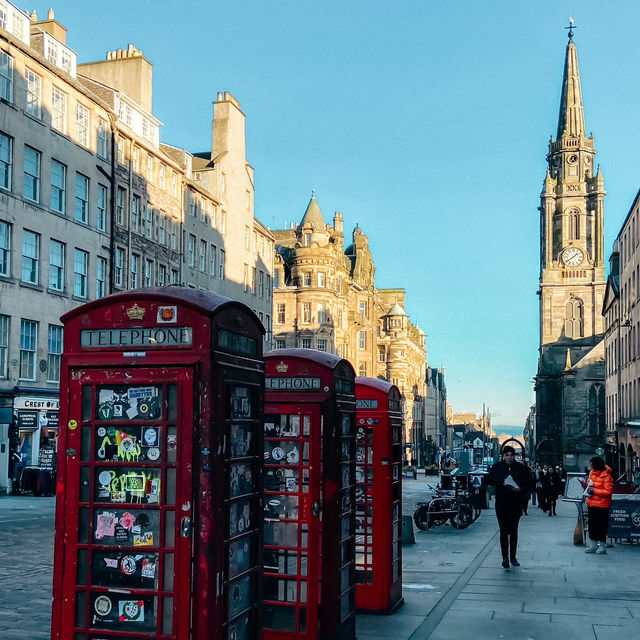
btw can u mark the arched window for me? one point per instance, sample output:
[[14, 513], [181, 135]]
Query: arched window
[[573, 220], [573, 318]]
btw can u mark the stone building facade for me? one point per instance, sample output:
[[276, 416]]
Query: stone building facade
[[435, 413], [92, 202], [325, 298], [569, 383], [622, 348]]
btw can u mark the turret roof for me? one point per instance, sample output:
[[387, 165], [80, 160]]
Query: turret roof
[[313, 215], [396, 310]]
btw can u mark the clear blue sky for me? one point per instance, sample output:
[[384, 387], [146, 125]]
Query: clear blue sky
[[425, 122]]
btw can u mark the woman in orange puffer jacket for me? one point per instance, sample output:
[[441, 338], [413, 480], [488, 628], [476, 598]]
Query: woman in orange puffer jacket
[[599, 488]]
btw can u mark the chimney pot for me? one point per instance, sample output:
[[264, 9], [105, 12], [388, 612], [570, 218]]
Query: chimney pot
[[51, 15]]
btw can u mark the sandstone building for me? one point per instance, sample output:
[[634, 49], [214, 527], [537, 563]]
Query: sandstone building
[[325, 298], [569, 383], [92, 202], [622, 348]]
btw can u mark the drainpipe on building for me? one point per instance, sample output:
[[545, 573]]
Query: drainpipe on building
[[129, 202], [112, 208]]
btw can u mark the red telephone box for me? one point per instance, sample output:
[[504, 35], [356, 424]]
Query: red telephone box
[[378, 496], [158, 516], [309, 482]]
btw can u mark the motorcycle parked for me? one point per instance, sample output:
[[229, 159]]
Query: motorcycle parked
[[446, 506]]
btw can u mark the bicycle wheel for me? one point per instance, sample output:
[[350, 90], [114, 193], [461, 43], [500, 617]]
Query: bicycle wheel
[[463, 518], [421, 517]]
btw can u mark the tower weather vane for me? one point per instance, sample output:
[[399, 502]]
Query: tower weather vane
[[571, 27]]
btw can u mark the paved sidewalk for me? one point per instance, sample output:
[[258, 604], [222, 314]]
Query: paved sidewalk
[[454, 586]]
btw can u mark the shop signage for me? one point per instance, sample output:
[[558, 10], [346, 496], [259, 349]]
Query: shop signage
[[28, 419], [624, 517], [293, 384], [366, 404], [52, 419], [36, 403], [139, 337]]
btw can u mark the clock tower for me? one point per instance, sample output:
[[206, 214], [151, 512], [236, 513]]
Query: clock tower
[[572, 283]]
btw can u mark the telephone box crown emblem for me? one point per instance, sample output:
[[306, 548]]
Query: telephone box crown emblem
[[281, 367], [135, 312]]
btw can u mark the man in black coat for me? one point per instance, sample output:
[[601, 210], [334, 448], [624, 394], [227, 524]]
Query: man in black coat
[[512, 480]]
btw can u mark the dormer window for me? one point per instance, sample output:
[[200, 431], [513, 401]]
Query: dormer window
[[307, 239]]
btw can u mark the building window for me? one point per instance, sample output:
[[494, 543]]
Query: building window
[[56, 265], [82, 198], [280, 343], [268, 287], [6, 77], [148, 226], [381, 355], [254, 278], [362, 369], [101, 209], [6, 159], [322, 279], [148, 272], [163, 176], [280, 313], [28, 347], [223, 222], [121, 151], [58, 186], [174, 185], [54, 353], [322, 311], [322, 345], [261, 283], [203, 256], [30, 256], [247, 235], [162, 275], [223, 183], [82, 125], [175, 276], [213, 250], [172, 234], [307, 239], [223, 254], [307, 278], [120, 201], [135, 267], [276, 279], [362, 340], [33, 82], [246, 277], [101, 276], [59, 110], [119, 263], [149, 167], [306, 312], [5, 249], [103, 136], [267, 326], [191, 250], [363, 309], [306, 343], [135, 213], [573, 318], [31, 174], [4, 345], [80, 273], [135, 160], [161, 226]]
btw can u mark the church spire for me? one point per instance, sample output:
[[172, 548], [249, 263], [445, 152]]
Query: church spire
[[571, 118]]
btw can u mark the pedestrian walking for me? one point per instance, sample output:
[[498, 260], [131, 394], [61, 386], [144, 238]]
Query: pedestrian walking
[[598, 487], [551, 488], [511, 480], [17, 464], [534, 490]]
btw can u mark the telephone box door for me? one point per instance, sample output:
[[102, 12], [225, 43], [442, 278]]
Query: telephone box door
[[292, 478], [128, 504]]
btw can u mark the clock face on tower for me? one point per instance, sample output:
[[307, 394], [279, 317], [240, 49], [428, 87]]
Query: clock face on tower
[[572, 256]]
